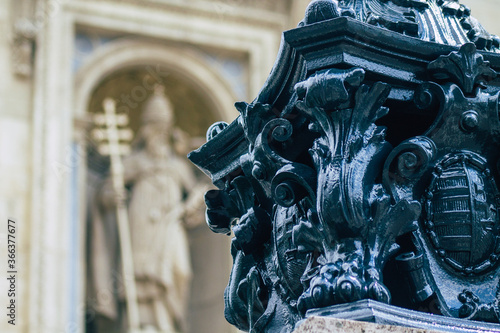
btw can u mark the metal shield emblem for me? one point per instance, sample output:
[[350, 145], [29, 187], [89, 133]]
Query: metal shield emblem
[[461, 213]]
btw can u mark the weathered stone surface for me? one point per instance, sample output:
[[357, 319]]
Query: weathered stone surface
[[333, 325], [384, 314]]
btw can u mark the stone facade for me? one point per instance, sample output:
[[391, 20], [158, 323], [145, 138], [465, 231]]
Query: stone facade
[[57, 58]]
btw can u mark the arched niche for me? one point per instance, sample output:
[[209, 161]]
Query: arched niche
[[127, 71], [158, 59]]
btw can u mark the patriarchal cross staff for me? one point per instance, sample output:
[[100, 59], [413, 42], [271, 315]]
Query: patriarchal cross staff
[[112, 143]]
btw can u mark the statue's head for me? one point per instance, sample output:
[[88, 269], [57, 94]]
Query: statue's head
[[157, 121], [158, 109]]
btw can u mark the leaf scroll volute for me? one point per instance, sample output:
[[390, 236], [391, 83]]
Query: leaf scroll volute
[[327, 90], [292, 183], [384, 230], [236, 309], [466, 67], [253, 117], [249, 290], [389, 222], [406, 165], [364, 152], [263, 160], [368, 109], [309, 236]]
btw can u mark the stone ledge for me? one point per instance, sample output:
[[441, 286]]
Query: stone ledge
[[375, 313], [335, 325]]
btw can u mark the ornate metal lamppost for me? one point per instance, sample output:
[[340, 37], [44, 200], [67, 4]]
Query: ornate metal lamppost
[[365, 173]]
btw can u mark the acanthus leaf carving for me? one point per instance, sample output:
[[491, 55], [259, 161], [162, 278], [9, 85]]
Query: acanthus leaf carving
[[347, 156], [467, 68]]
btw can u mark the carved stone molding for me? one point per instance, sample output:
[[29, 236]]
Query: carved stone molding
[[23, 46]]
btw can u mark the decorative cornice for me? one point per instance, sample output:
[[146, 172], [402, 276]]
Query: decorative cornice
[[445, 22], [210, 9]]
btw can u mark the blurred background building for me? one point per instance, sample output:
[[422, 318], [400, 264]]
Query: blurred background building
[[59, 59]]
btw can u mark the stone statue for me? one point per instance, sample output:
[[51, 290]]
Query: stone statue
[[157, 182]]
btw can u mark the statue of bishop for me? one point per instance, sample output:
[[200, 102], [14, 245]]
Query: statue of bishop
[[158, 182]]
